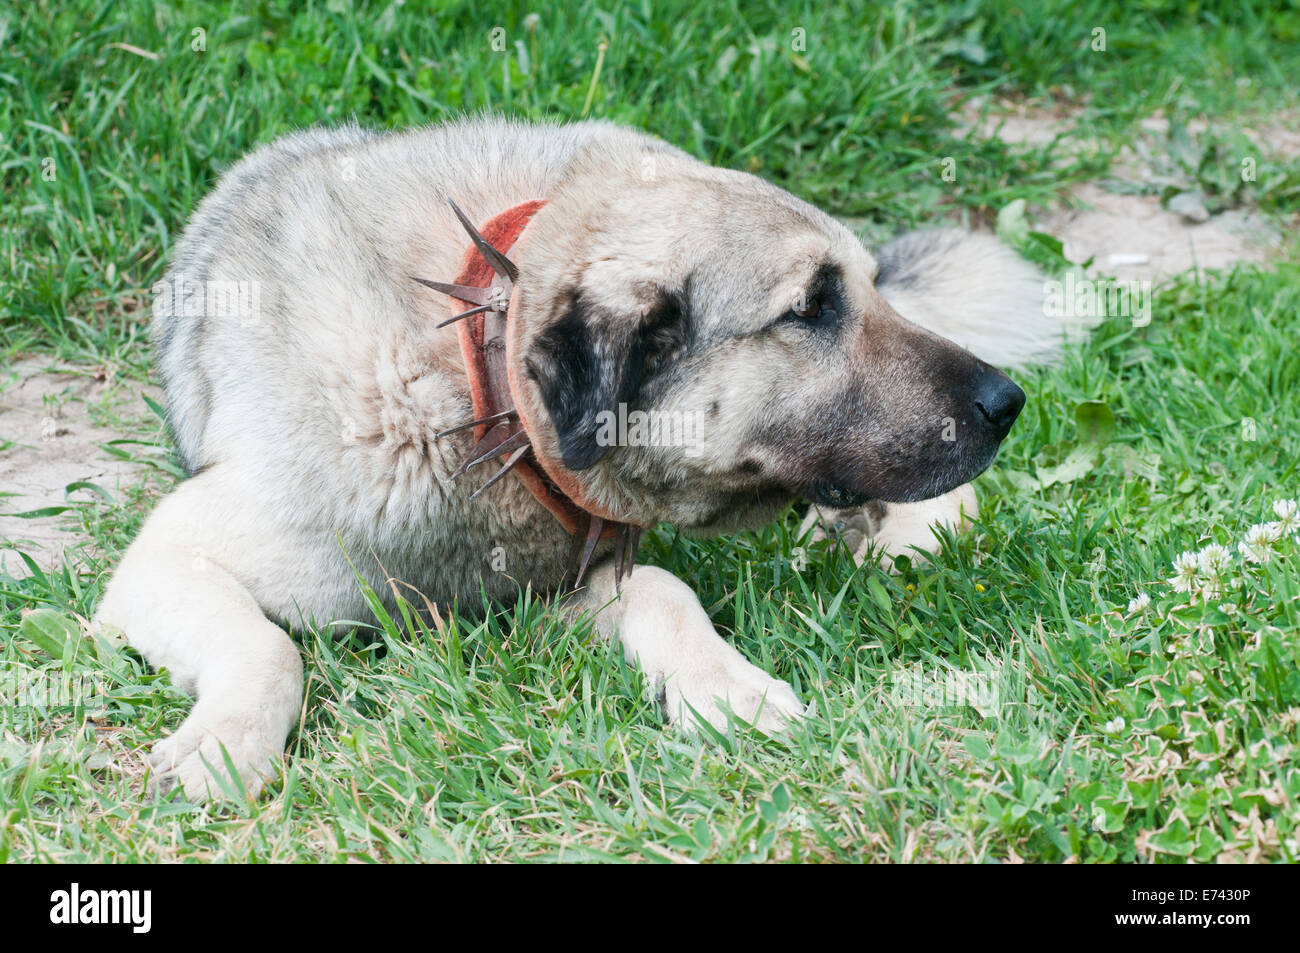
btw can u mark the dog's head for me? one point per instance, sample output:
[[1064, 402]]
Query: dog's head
[[699, 347]]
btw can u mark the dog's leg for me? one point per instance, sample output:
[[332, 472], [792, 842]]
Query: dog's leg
[[664, 629], [183, 610], [894, 529]]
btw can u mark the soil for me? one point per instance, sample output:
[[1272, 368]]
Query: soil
[[53, 420]]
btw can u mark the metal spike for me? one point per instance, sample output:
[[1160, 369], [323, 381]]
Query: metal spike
[[502, 265], [490, 441], [508, 445], [633, 540], [464, 314], [594, 528], [620, 543], [463, 292], [504, 415], [509, 465], [575, 545]]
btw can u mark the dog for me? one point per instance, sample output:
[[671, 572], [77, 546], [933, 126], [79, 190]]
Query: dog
[[325, 405]]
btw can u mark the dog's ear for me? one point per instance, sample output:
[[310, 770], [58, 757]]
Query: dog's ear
[[591, 360]]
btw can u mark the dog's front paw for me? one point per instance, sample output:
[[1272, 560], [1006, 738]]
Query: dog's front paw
[[899, 538], [192, 756], [852, 527], [705, 692], [908, 529], [882, 531]]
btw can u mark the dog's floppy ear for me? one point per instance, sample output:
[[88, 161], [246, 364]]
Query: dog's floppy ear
[[591, 360]]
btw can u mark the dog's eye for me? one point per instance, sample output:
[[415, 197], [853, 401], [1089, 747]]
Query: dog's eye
[[809, 313], [814, 313]]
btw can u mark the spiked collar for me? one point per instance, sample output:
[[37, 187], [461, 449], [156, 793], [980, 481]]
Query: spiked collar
[[485, 288]]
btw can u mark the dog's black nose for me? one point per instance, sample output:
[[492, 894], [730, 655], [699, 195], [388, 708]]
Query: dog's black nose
[[998, 401]]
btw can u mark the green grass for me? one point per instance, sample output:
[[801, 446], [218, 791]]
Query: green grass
[[518, 738]]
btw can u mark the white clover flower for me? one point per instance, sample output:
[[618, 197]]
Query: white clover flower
[[1185, 567], [1139, 603], [1214, 561], [1253, 554], [1257, 546], [1114, 726], [1288, 515]]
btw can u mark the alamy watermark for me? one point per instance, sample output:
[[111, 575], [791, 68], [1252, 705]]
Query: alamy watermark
[[650, 428], [78, 905], [215, 298], [989, 686], [1078, 297], [917, 687], [33, 691]]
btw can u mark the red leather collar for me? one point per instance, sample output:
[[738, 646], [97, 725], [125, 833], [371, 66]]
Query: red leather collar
[[501, 427]]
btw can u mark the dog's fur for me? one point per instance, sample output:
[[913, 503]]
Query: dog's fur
[[650, 280]]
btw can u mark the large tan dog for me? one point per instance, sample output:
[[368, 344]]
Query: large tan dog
[[311, 391]]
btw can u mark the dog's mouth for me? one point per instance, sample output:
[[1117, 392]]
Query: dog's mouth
[[908, 480], [837, 496]]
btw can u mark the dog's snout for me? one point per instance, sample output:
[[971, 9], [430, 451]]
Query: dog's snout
[[998, 401]]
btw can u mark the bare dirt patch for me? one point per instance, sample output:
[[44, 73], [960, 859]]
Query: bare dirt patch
[[1133, 237], [1121, 225], [54, 420]]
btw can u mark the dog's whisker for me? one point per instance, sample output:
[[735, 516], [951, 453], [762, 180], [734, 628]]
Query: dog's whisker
[[502, 265], [509, 465]]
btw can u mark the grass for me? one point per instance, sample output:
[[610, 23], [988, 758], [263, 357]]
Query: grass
[[1098, 734]]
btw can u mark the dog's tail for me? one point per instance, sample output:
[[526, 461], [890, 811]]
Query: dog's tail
[[978, 292]]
